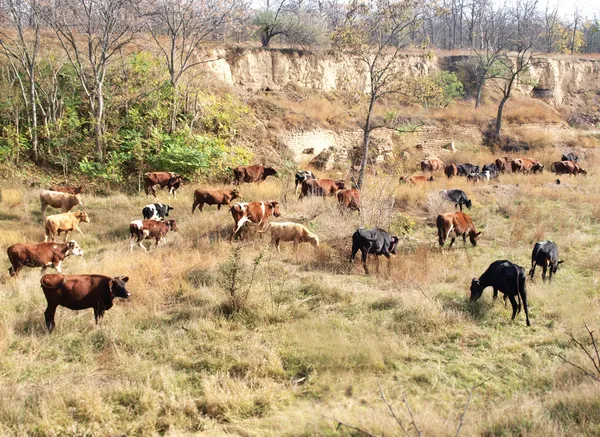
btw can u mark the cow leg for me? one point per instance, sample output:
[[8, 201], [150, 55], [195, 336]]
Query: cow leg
[[49, 316], [14, 271], [44, 207], [98, 311], [524, 299], [532, 271], [218, 207], [377, 264], [465, 239], [364, 254], [194, 207], [513, 302], [451, 243], [495, 295], [140, 243], [544, 271], [237, 227], [278, 245], [296, 244]]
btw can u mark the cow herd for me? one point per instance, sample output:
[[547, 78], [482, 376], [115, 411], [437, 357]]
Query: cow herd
[[97, 292]]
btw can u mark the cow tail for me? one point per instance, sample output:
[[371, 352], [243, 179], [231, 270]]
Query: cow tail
[[518, 286], [553, 166]]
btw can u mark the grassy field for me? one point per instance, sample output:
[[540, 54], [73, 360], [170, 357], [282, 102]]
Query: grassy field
[[310, 340]]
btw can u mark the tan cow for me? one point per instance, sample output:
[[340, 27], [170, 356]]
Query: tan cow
[[432, 164], [415, 180], [456, 224], [66, 222], [290, 231], [63, 201]]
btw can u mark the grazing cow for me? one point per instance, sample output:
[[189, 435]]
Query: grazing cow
[[474, 177], [289, 231], [42, 255], [162, 179], [431, 165], [526, 165], [63, 201], [66, 189], [507, 278], [456, 223], [139, 230], [414, 180], [467, 169], [567, 167], [545, 254], [570, 157], [320, 187], [252, 173], [349, 198], [257, 213], [214, 197], [458, 197], [66, 222], [79, 292], [373, 241], [492, 168], [502, 163], [156, 211], [301, 176], [451, 170]]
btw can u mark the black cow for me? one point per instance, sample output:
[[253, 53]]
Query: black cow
[[507, 278], [467, 169], [156, 211], [545, 254], [303, 175], [492, 168], [373, 241], [459, 197], [570, 157]]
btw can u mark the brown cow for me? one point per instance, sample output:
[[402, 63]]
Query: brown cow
[[502, 163], [320, 187], [451, 170], [431, 165], [349, 198], [516, 166], [414, 180], [459, 224], [252, 173], [162, 179], [63, 201], [214, 197], [532, 165], [567, 167], [139, 230], [67, 189], [257, 213], [79, 292], [42, 255], [66, 222]]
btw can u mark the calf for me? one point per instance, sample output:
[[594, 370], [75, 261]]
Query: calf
[[415, 180], [162, 179], [459, 224], [349, 198], [545, 254], [451, 170], [373, 241], [507, 278], [66, 222], [63, 201], [79, 292], [289, 231], [66, 189], [458, 197], [467, 169], [42, 255], [320, 187], [257, 213], [301, 176], [431, 165], [214, 197], [156, 211], [570, 157], [252, 173], [139, 230]]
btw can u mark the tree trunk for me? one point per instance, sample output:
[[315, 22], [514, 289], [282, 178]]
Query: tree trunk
[[99, 124], [478, 96], [365, 151], [34, 133], [499, 116]]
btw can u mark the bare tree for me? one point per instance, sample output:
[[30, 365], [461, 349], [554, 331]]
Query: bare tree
[[484, 65], [19, 42], [91, 32], [551, 26], [576, 20]]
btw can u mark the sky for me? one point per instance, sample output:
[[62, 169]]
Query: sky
[[566, 7]]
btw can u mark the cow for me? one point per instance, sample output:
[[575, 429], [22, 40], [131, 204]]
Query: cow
[[507, 278], [162, 179], [252, 173], [156, 211], [349, 198], [492, 168], [257, 213], [545, 254], [67, 189], [373, 241], [451, 170], [516, 166], [139, 230], [567, 167], [474, 177], [79, 292], [42, 255], [65, 222], [432, 165], [458, 197], [502, 163], [467, 169], [415, 180], [214, 197], [63, 201], [570, 157], [301, 176], [320, 187], [526, 165], [459, 224], [289, 231]]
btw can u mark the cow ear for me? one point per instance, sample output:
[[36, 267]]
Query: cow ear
[[560, 261], [124, 278], [478, 234]]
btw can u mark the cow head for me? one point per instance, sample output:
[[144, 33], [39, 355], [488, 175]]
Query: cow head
[[474, 236], [275, 208], [172, 224], [341, 185], [555, 266], [235, 193], [430, 179], [270, 171], [117, 286], [394, 245], [581, 170], [313, 239], [538, 167], [167, 209], [73, 249], [476, 289], [82, 216], [468, 203]]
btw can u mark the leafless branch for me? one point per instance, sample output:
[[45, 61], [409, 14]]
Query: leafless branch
[[462, 416]]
